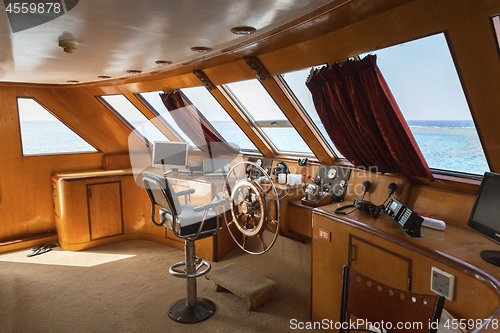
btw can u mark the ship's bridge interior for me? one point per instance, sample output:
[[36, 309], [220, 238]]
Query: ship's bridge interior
[[87, 94]]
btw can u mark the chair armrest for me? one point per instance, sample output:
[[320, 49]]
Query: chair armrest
[[185, 192], [205, 209], [211, 205]]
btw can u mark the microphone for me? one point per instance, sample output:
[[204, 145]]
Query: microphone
[[366, 186], [392, 188]]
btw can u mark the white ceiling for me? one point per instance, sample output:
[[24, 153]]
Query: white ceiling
[[118, 35]]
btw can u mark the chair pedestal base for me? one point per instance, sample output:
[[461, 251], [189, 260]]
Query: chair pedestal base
[[181, 312]]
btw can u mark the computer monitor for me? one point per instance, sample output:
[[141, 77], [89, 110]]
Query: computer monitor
[[215, 167], [171, 155], [485, 215]]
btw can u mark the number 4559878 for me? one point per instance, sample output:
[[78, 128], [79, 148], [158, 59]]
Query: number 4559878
[[33, 8], [470, 324]]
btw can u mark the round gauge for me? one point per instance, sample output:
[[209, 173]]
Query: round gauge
[[332, 172], [258, 162]]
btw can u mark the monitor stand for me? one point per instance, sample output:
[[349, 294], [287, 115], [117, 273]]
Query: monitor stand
[[175, 171], [491, 256], [172, 170]]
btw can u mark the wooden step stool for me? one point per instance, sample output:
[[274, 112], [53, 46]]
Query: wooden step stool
[[240, 281]]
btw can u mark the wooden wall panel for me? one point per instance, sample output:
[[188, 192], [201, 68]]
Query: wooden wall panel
[[377, 192], [87, 116], [452, 207], [25, 186]]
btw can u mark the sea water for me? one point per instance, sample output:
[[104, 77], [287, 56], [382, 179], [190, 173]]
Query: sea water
[[449, 145], [51, 137]]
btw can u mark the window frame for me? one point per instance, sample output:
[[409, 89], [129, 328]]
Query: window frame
[[260, 125], [78, 134], [128, 123], [437, 170], [200, 113], [332, 150], [150, 107]]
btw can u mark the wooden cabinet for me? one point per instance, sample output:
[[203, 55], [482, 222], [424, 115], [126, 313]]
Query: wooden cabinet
[[379, 249], [93, 208], [88, 207]]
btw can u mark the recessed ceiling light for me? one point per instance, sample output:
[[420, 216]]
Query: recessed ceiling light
[[200, 49], [104, 77], [72, 81], [243, 30], [163, 62], [134, 71]]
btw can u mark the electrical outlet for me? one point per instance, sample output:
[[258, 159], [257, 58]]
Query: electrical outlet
[[442, 283], [324, 234]]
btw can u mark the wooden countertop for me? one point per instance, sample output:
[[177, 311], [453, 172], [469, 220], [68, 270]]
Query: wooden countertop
[[79, 175], [88, 174], [455, 246]]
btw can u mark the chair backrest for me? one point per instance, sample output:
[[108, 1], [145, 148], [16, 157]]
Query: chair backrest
[[377, 303], [161, 192]]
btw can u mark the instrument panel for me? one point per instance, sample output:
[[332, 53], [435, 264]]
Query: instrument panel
[[333, 180], [264, 163]]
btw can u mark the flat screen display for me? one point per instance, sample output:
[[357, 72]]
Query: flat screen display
[[170, 154], [215, 165], [486, 211], [485, 215]]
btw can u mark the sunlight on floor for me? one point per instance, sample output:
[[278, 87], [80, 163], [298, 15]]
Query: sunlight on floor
[[64, 258]]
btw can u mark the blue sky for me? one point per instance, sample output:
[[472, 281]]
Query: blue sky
[[423, 79]]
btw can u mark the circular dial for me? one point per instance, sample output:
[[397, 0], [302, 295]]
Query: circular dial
[[332, 172], [258, 162]]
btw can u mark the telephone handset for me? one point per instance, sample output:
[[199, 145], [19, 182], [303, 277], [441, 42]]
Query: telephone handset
[[281, 167]]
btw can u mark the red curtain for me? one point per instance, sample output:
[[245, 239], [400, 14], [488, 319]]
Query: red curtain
[[363, 119], [187, 117]]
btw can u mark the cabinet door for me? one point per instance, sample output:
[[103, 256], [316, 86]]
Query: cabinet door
[[105, 210], [380, 264]]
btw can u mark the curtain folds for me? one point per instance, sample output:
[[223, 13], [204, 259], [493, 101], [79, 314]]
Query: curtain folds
[[187, 117], [363, 119]]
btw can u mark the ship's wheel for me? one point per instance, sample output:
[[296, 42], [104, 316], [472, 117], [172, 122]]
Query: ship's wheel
[[254, 219]]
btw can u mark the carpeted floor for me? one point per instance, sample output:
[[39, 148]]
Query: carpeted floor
[[127, 288]]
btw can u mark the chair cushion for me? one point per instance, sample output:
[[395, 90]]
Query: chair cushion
[[189, 221]]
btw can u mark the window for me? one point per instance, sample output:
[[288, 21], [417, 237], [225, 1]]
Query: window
[[156, 105], [267, 116], [296, 82], [218, 117], [136, 120], [423, 79], [496, 26], [42, 133]]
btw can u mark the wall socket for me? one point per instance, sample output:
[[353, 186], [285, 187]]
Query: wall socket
[[442, 283]]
